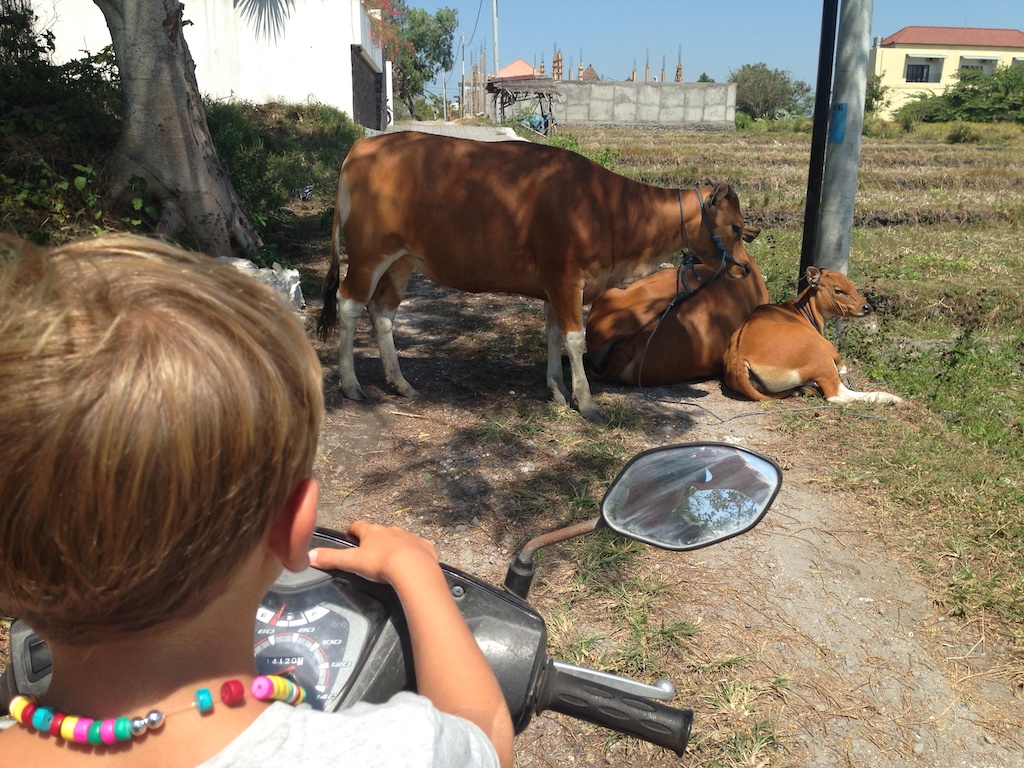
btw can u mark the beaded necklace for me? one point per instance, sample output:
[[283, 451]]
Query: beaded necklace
[[25, 708]]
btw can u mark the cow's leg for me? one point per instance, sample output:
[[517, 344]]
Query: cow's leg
[[575, 346], [847, 395], [349, 312], [575, 342], [382, 309], [362, 286], [556, 382], [835, 391]]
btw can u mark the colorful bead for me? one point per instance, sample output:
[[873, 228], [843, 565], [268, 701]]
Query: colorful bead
[[81, 735], [277, 688], [232, 693], [107, 735], [204, 700], [67, 728], [94, 735], [27, 712], [42, 718], [123, 728], [18, 704], [56, 723]]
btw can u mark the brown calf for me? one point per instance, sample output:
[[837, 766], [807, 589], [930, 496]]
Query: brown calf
[[634, 337], [508, 217], [781, 348]]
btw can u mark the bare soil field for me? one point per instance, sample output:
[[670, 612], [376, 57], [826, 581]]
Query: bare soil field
[[816, 643]]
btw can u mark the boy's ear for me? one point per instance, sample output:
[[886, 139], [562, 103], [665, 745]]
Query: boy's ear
[[289, 535]]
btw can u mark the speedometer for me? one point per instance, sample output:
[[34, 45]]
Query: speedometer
[[310, 635]]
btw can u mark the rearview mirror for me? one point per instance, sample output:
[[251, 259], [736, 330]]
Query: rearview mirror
[[683, 497]]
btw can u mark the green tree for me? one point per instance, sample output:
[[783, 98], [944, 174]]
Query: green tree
[[975, 97], [876, 97], [419, 43], [767, 93]]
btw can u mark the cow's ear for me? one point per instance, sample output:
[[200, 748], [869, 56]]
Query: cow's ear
[[716, 197], [750, 232], [813, 276]]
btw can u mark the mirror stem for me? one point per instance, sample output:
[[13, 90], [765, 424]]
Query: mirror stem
[[520, 573]]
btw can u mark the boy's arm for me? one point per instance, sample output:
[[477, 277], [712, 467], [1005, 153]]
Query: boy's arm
[[451, 670]]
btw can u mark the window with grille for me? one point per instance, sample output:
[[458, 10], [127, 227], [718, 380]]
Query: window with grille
[[917, 73]]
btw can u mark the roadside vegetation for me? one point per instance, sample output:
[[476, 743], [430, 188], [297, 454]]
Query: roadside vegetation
[[936, 248]]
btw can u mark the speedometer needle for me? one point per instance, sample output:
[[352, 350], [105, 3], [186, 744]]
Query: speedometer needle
[[276, 616]]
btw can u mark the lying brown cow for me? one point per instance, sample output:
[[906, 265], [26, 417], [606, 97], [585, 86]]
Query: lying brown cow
[[508, 217], [634, 338], [781, 348]]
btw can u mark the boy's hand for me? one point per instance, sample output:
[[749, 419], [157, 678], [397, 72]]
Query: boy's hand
[[384, 554], [451, 670]]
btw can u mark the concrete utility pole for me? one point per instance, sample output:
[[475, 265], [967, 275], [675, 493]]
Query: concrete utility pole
[[846, 122], [819, 137], [494, 15]]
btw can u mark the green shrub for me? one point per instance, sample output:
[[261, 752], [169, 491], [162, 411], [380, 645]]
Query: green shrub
[[604, 156], [962, 133], [271, 151]]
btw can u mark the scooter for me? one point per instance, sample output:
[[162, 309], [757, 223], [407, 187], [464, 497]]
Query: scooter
[[344, 639]]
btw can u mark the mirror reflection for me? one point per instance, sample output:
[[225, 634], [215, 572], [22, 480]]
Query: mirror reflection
[[689, 496]]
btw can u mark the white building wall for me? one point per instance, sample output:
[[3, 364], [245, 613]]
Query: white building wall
[[309, 59]]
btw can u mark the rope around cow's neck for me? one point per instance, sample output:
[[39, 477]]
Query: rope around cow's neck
[[683, 289], [802, 305]]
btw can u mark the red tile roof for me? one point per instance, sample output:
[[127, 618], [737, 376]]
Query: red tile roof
[[960, 36]]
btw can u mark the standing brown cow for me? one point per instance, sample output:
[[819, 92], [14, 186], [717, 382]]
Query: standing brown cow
[[671, 326], [781, 348], [508, 217]]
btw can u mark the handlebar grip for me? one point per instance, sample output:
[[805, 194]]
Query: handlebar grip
[[562, 691]]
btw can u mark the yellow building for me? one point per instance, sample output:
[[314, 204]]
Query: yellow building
[[927, 59]]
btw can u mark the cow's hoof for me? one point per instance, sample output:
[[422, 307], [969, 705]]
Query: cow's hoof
[[407, 391], [356, 394]]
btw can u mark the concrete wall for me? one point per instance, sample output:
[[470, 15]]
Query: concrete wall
[[696, 106], [309, 58], [710, 106]]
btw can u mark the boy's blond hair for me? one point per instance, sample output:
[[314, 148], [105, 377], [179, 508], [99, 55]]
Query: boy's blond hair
[[157, 408]]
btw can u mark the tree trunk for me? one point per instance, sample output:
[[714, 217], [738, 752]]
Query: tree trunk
[[165, 138]]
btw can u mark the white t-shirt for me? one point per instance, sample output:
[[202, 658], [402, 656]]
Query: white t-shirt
[[406, 732]]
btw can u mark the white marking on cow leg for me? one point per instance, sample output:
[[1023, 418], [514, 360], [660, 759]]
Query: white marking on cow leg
[[383, 329], [556, 382], [847, 395], [575, 344], [349, 312]]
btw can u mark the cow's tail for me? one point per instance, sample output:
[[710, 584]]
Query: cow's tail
[[737, 374], [736, 371], [328, 318]]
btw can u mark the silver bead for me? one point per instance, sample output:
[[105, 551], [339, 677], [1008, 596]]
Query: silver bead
[[139, 726], [154, 719]]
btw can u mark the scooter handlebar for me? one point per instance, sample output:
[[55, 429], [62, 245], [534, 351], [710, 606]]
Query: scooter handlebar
[[562, 691]]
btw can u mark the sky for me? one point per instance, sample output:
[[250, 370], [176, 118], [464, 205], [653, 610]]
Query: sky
[[712, 38]]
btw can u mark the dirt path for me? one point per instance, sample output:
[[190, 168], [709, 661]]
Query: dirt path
[[873, 674]]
